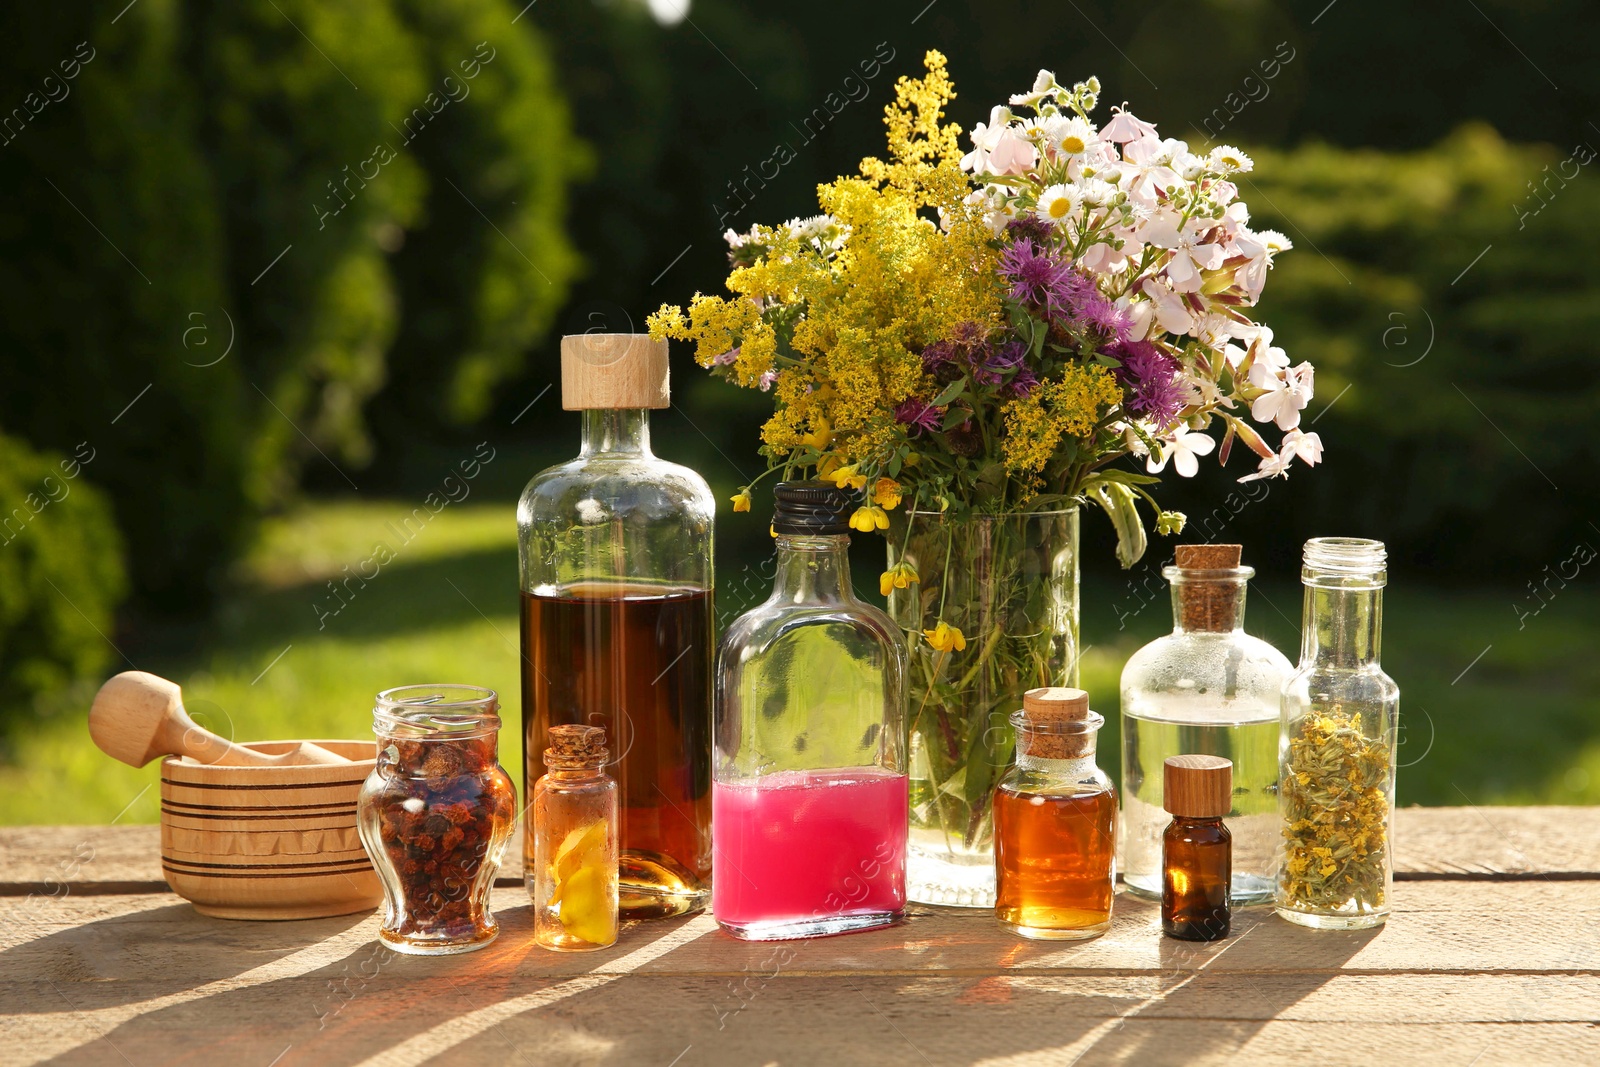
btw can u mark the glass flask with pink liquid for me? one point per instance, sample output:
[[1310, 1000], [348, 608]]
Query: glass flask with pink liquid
[[809, 791]]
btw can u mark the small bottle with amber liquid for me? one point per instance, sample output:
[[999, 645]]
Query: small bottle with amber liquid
[[1055, 823], [1196, 849], [574, 836]]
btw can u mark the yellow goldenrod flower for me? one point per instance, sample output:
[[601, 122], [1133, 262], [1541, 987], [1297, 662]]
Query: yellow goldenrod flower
[[847, 477], [741, 499], [886, 493], [946, 638], [900, 576], [869, 518]]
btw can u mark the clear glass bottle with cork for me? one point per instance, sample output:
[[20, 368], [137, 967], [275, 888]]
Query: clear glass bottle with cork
[[574, 835], [617, 626], [1196, 848], [1055, 823], [1208, 688], [1341, 714], [812, 791]]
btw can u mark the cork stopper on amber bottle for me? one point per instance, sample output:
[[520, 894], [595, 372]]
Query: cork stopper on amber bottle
[[1209, 606], [1198, 787], [574, 747], [1051, 710], [613, 370]]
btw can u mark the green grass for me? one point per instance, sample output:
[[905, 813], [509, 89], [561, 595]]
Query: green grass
[[1522, 725]]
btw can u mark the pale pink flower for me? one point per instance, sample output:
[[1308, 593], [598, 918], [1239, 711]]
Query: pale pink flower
[[1183, 449], [1012, 155], [1306, 447], [1124, 127]]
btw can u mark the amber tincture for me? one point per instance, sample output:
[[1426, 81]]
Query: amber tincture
[[640, 660], [1055, 823], [1196, 849], [574, 836]]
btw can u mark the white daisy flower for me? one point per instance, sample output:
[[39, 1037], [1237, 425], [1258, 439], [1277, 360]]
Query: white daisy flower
[[1075, 138], [1057, 204], [1226, 159]]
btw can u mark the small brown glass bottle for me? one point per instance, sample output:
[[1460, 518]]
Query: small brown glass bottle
[[1196, 850]]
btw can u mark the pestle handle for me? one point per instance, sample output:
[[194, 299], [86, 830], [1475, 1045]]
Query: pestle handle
[[138, 716]]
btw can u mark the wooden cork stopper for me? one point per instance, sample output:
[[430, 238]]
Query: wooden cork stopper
[[1056, 704], [576, 746], [1198, 787], [1208, 606], [613, 370]]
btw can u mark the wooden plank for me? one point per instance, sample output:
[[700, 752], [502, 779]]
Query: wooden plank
[[867, 1019], [1508, 974], [1439, 928], [1430, 843]]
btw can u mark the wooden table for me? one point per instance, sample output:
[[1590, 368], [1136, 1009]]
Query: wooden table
[[1491, 957]]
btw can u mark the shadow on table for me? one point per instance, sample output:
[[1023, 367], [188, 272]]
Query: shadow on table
[[364, 1001], [144, 954]]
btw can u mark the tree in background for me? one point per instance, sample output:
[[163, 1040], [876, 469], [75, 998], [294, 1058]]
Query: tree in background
[[241, 179]]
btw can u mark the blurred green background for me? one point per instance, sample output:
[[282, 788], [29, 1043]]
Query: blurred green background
[[274, 270]]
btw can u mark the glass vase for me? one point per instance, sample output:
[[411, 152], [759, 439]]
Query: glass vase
[[1009, 583]]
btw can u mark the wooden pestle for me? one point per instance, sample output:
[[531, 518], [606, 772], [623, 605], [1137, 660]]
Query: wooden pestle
[[138, 716]]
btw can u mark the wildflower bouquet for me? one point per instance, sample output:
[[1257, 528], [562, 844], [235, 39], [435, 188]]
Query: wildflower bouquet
[[1081, 298], [975, 339]]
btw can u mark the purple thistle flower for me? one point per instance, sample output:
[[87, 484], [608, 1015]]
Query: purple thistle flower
[[1036, 277], [1007, 357], [1022, 383], [918, 415], [1029, 228], [1150, 377]]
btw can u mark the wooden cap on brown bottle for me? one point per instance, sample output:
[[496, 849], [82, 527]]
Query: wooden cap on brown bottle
[[613, 370], [1047, 706], [1198, 787]]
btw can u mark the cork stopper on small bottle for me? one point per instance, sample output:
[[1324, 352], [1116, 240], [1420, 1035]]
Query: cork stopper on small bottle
[[613, 370], [1197, 787], [1208, 606], [573, 747], [1055, 724]]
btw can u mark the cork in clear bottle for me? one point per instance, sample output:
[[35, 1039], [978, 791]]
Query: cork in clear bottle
[[1055, 823], [1196, 848], [574, 835]]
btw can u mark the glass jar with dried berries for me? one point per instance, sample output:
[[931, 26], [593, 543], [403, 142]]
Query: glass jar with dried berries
[[435, 815]]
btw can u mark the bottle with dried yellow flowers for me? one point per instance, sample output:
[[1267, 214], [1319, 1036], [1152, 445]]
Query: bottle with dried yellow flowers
[[1340, 717], [574, 836]]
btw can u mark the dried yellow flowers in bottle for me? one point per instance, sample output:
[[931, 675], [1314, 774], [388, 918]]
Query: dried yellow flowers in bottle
[[1340, 717]]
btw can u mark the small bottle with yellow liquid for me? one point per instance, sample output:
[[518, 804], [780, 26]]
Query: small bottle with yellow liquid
[[575, 843], [1055, 823]]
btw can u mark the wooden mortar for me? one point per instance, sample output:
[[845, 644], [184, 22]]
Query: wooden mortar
[[268, 842]]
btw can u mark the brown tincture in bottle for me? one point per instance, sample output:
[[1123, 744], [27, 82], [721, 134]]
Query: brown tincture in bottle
[[1055, 823], [1196, 850]]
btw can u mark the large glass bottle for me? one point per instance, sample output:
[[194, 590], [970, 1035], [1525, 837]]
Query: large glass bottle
[[1207, 688], [1340, 718], [811, 787], [617, 627]]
